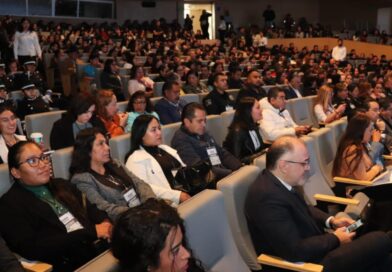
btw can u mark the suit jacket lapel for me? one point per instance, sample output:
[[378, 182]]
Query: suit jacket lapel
[[299, 203]]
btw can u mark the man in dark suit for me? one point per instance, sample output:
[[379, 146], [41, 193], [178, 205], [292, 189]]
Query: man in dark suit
[[294, 89], [282, 224]]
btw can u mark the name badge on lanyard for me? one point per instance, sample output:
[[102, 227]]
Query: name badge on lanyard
[[213, 155], [131, 198], [70, 222]]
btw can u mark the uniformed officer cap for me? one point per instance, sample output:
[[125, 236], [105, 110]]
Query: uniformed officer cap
[[27, 84]]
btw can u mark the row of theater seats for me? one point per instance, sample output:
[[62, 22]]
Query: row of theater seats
[[224, 244]]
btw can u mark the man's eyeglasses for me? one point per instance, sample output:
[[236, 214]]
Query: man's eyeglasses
[[304, 163], [34, 161]]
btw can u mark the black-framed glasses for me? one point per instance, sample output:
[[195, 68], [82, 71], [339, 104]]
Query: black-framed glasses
[[34, 161], [304, 163]]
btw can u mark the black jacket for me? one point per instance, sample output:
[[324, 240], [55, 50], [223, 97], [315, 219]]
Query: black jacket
[[113, 82], [239, 143], [27, 106], [32, 229], [251, 91], [62, 136], [216, 103]]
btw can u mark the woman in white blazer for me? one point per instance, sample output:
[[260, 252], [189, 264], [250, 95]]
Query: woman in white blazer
[[8, 126], [153, 162]]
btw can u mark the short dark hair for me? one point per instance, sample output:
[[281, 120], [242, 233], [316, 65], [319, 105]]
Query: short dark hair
[[168, 85], [251, 71], [280, 147], [274, 92], [136, 95], [189, 111], [384, 103], [366, 103], [216, 75], [80, 104]]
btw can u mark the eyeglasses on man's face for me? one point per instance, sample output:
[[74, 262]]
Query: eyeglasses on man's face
[[305, 163]]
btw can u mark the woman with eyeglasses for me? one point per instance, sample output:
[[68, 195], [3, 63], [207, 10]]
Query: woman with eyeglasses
[[79, 116], [8, 127], [105, 182], [47, 219], [138, 104], [152, 238]]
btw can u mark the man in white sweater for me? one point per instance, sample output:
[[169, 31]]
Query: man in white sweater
[[339, 52], [276, 120]]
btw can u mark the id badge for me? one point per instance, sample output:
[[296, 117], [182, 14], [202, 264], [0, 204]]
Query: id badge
[[213, 155], [131, 198], [70, 222], [229, 108]]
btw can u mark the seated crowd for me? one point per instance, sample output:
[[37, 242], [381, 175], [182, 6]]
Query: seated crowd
[[68, 223]]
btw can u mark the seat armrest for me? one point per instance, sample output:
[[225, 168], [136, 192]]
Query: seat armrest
[[387, 157], [353, 181], [278, 262], [35, 266], [337, 200]]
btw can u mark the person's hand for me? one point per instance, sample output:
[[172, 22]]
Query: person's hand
[[343, 236], [380, 124], [341, 108], [341, 222], [184, 196], [123, 118], [104, 230], [379, 168], [376, 135], [301, 130]]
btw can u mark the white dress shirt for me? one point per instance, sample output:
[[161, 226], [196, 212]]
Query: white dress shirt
[[339, 53]]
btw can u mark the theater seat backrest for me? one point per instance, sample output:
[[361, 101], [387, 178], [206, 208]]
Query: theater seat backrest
[[61, 161], [5, 180], [42, 122], [235, 188], [120, 146], [209, 234], [168, 132]]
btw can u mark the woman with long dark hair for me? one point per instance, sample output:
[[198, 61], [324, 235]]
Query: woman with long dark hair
[[244, 140], [105, 182], [153, 162], [26, 44], [352, 157], [45, 218], [151, 237], [80, 115], [138, 104]]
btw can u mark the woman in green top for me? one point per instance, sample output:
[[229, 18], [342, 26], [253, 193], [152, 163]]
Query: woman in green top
[[47, 219]]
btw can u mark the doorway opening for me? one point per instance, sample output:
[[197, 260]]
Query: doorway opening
[[195, 10]]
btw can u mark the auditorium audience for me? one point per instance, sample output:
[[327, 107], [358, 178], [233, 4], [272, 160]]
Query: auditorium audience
[[243, 139], [140, 82], [154, 234], [154, 162], [80, 115], [170, 106], [218, 100], [138, 104], [277, 120], [110, 79], [107, 112], [194, 144], [47, 220], [105, 182], [352, 157], [323, 108], [8, 127]]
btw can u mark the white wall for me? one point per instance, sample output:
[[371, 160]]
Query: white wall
[[384, 19]]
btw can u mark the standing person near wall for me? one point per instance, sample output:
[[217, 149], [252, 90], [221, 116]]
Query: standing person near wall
[[204, 23], [269, 16], [26, 45]]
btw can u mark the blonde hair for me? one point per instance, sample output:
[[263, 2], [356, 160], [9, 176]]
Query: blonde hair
[[323, 95]]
